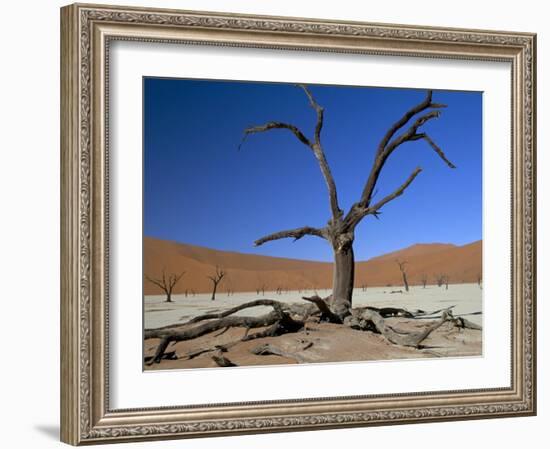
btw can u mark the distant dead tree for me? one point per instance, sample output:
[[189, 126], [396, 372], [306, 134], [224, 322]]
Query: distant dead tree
[[479, 281], [229, 286], [424, 280], [166, 283], [216, 279], [260, 285], [401, 265], [260, 289], [364, 287], [340, 228], [439, 279]]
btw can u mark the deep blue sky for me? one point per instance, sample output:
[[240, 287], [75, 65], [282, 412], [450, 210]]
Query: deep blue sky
[[200, 189]]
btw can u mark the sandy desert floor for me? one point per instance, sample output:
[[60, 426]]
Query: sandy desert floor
[[325, 342]]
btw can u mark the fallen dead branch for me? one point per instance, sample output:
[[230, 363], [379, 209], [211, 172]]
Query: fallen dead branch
[[223, 361], [368, 319], [285, 318], [386, 312], [277, 322], [268, 349], [463, 323], [171, 355]]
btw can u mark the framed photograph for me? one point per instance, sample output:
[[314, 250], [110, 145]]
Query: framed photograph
[[278, 224]]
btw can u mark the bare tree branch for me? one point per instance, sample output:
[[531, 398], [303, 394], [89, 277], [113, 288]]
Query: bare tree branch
[[425, 104], [318, 109], [314, 146], [389, 144], [356, 214], [296, 234], [320, 155], [166, 284], [276, 125], [401, 264], [436, 149], [174, 279], [397, 192], [156, 282]]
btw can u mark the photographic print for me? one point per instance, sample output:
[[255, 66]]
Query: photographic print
[[298, 198], [302, 223]]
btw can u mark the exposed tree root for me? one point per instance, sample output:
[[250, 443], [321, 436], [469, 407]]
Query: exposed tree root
[[324, 308], [386, 312], [366, 319], [463, 323], [268, 349], [222, 348], [285, 318], [222, 361], [171, 355], [277, 322]]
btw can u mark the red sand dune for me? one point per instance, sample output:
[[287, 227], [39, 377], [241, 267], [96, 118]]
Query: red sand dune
[[247, 272]]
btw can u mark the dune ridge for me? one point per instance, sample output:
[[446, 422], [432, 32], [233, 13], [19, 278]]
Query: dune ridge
[[248, 272]]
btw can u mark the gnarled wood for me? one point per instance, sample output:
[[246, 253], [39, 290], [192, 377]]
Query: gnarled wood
[[368, 318], [463, 323], [296, 234], [324, 308], [314, 146], [278, 322], [339, 230], [268, 349], [222, 361]]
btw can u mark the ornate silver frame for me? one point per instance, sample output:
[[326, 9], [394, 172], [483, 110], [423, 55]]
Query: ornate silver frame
[[86, 33]]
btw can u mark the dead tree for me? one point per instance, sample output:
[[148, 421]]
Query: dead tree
[[228, 286], [424, 280], [401, 265], [440, 279], [260, 289], [479, 281], [340, 228], [166, 283], [446, 280], [216, 279]]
